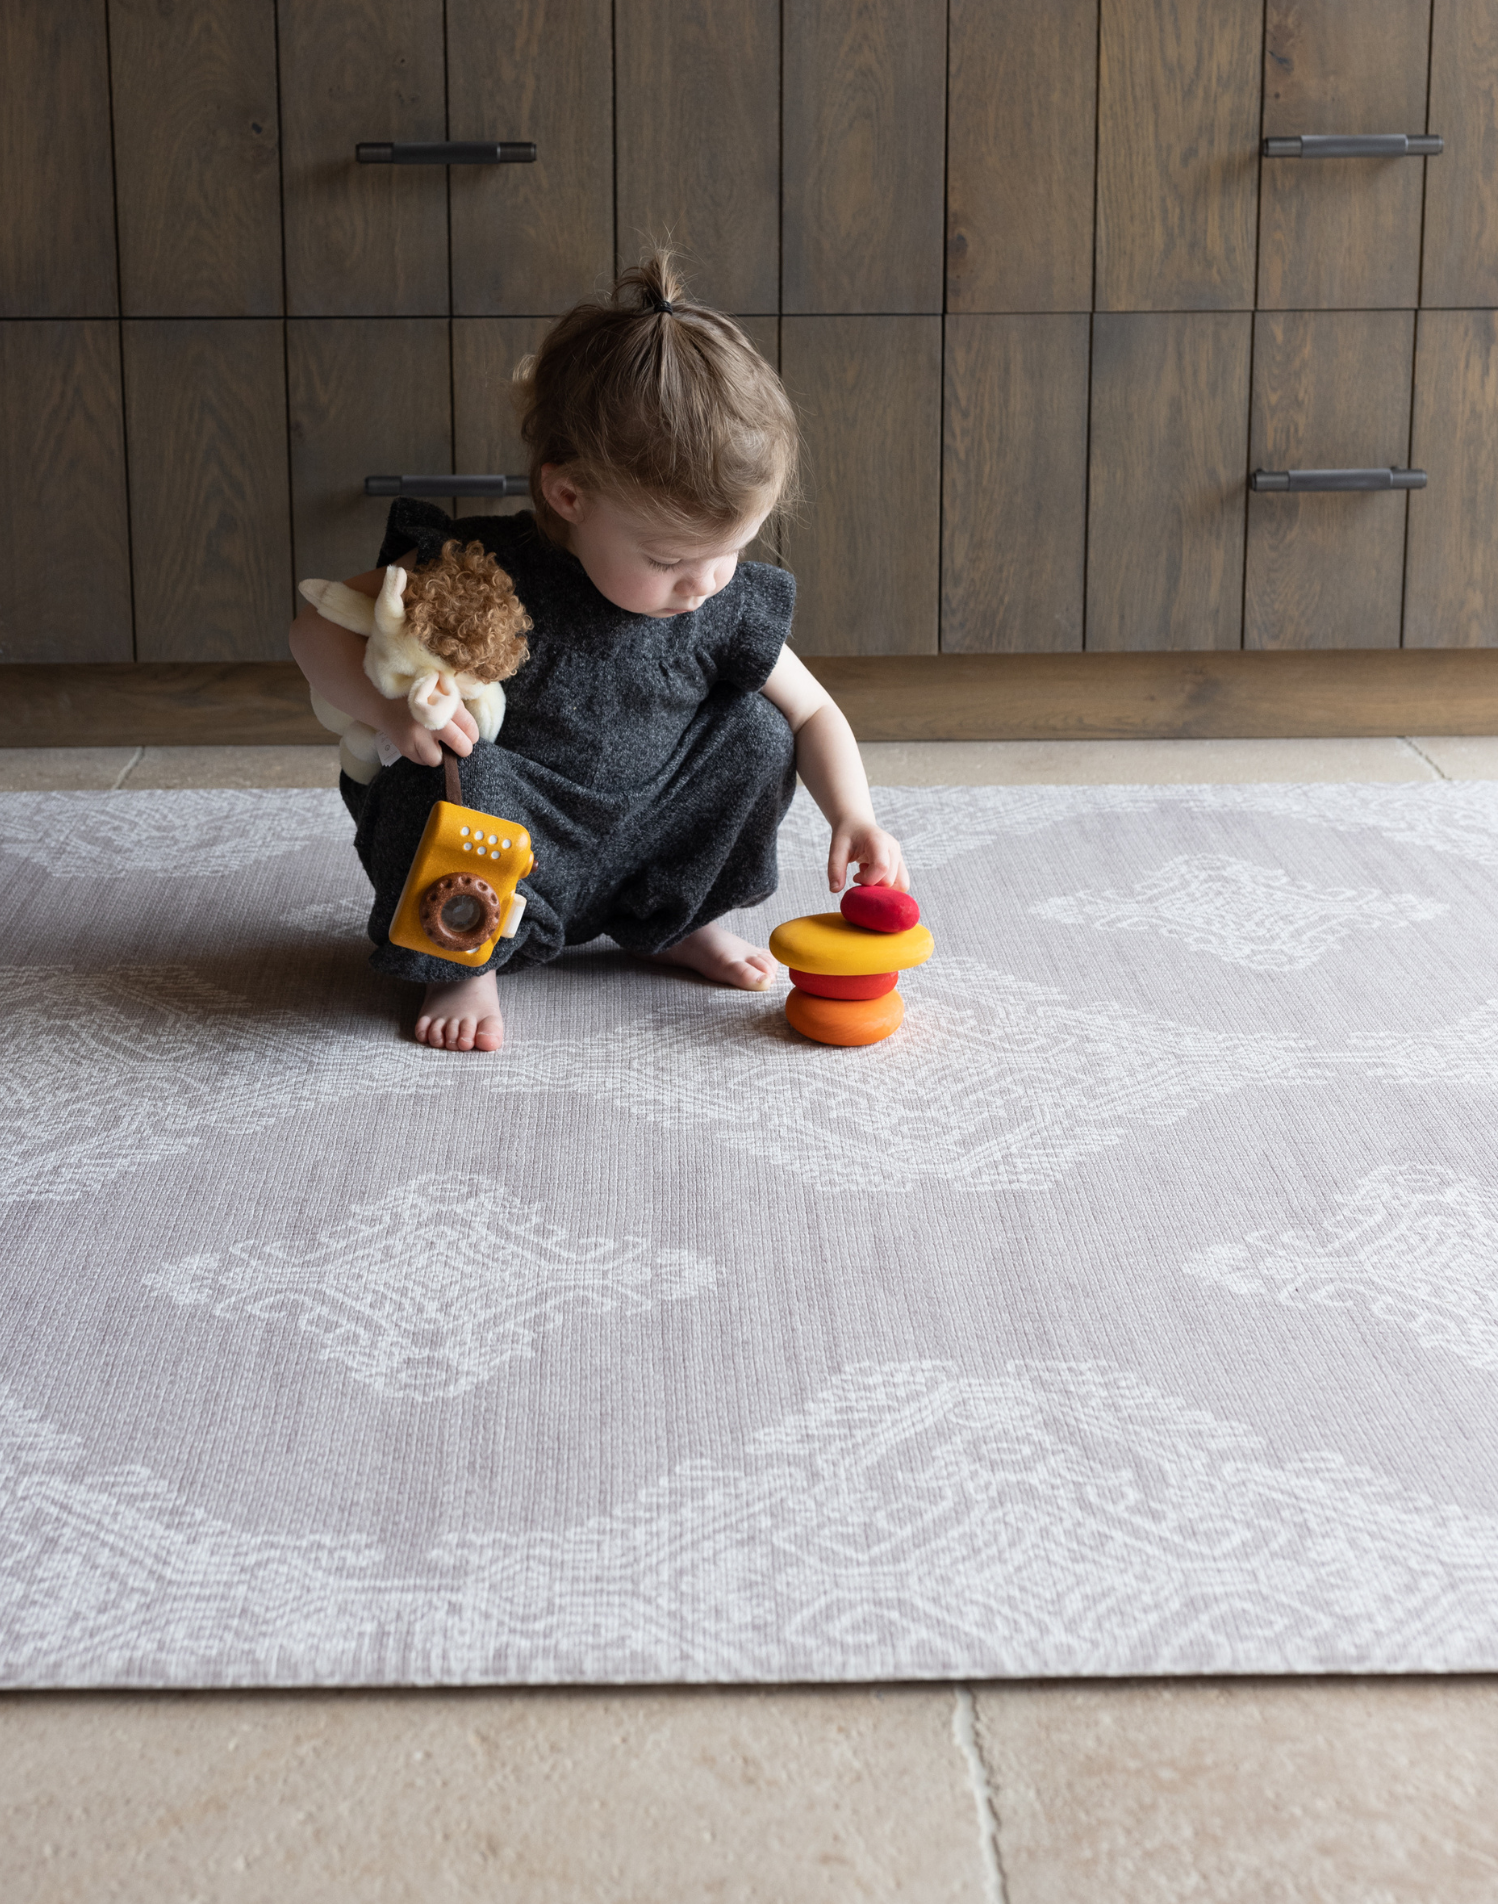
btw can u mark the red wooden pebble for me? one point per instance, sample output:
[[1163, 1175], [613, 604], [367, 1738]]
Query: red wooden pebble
[[843, 985], [880, 908]]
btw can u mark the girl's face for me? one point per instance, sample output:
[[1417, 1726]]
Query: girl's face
[[639, 564]]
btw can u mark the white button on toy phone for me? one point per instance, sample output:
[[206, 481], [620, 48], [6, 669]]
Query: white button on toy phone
[[505, 845], [463, 832], [492, 839]]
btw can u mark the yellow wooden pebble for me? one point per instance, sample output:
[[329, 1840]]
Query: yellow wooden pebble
[[826, 942]]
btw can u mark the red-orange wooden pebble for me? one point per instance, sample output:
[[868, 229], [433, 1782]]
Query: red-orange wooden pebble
[[844, 984], [880, 908], [844, 1021]]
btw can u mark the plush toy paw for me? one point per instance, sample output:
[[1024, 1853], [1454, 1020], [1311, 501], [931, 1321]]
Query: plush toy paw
[[338, 603], [433, 700], [487, 705]]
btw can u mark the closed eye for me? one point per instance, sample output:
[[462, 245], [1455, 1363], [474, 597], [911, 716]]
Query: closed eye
[[667, 566]]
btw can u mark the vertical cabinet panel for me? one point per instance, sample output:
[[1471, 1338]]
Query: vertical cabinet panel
[[57, 213], [1167, 480], [196, 157], [1458, 232], [697, 85], [205, 410], [1342, 233], [1022, 97], [62, 484], [362, 240], [531, 238], [368, 397], [865, 554], [486, 426], [765, 334], [1450, 559], [1179, 125], [862, 156], [1015, 453], [1332, 391]]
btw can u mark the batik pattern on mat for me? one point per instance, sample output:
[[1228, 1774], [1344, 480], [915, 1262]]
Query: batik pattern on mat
[[1130, 1311]]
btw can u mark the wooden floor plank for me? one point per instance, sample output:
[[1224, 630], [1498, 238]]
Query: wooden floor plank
[[1204, 696]]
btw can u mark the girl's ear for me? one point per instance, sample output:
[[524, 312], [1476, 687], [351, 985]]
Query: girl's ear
[[564, 497]]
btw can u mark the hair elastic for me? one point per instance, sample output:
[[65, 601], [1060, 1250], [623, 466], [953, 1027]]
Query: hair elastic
[[659, 303]]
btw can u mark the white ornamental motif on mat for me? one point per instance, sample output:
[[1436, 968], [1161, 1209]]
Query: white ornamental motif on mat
[[200, 832], [908, 1522], [434, 1287], [1255, 916], [991, 1081], [1414, 1246], [114, 1070], [937, 825]]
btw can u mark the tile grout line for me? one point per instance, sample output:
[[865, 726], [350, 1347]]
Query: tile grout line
[[1423, 757], [129, 768], [965, 1738]]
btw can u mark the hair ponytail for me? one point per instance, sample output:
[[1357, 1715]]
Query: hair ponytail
[[659, 403]]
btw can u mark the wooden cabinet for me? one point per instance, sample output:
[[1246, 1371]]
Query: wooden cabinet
[[1331, 390], [1042, 302]]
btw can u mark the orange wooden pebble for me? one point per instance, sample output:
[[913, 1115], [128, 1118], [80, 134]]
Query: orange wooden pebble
[[844, 1021]]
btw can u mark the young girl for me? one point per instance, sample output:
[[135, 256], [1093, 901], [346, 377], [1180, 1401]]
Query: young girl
[[651, 742]]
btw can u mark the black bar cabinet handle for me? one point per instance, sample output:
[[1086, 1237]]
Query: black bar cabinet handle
[[1298, 481], [448, 152], [1354, 145], [447, 486]]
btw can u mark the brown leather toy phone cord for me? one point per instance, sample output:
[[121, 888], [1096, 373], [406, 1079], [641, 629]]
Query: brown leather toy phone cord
[[452, 790]]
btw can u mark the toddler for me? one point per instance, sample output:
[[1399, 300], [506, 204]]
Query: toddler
[[652, 741]]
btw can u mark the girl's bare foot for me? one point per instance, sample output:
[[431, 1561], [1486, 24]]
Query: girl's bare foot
[[462, 1017], [723, 957]]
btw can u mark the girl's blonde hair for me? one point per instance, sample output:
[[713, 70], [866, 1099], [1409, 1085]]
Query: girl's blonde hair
[[658, 404]]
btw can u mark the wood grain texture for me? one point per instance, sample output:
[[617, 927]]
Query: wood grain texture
[[63, 482], [205, 433], [486, 429], [362, 240], [865, 552], [765, 334], [196, 157], [1179, 122], [1022, 95], [535, 238], [369, 396], [1167, 480], [1015, 464], [57, 213], [1342, 233], [1332, 390], [887, 697], [1450, 549], [1163, 697], [697, 90], [1458, 233], [863, 85]]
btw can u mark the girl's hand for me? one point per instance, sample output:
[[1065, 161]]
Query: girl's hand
[[425, 745], [878, 856]]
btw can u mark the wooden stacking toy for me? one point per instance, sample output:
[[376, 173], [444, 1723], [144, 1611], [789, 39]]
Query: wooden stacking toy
[[844, 965]]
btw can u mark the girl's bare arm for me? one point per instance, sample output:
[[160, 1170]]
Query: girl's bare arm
[[829, 763], [333, 659]]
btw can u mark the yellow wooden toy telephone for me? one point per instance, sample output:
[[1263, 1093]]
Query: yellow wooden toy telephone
[[460, 895]]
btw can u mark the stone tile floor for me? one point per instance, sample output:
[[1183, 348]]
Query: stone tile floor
[[1253, 1791]]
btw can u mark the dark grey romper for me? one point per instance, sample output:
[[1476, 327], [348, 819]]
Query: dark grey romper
[[638, 754]]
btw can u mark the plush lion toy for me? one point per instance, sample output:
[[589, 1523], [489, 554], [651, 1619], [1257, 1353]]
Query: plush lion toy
[[450, 632]]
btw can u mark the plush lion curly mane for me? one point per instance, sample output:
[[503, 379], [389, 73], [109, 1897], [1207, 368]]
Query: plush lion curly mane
[[464, 610]]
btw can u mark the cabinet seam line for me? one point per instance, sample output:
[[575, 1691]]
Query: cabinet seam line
[[114, 189]]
